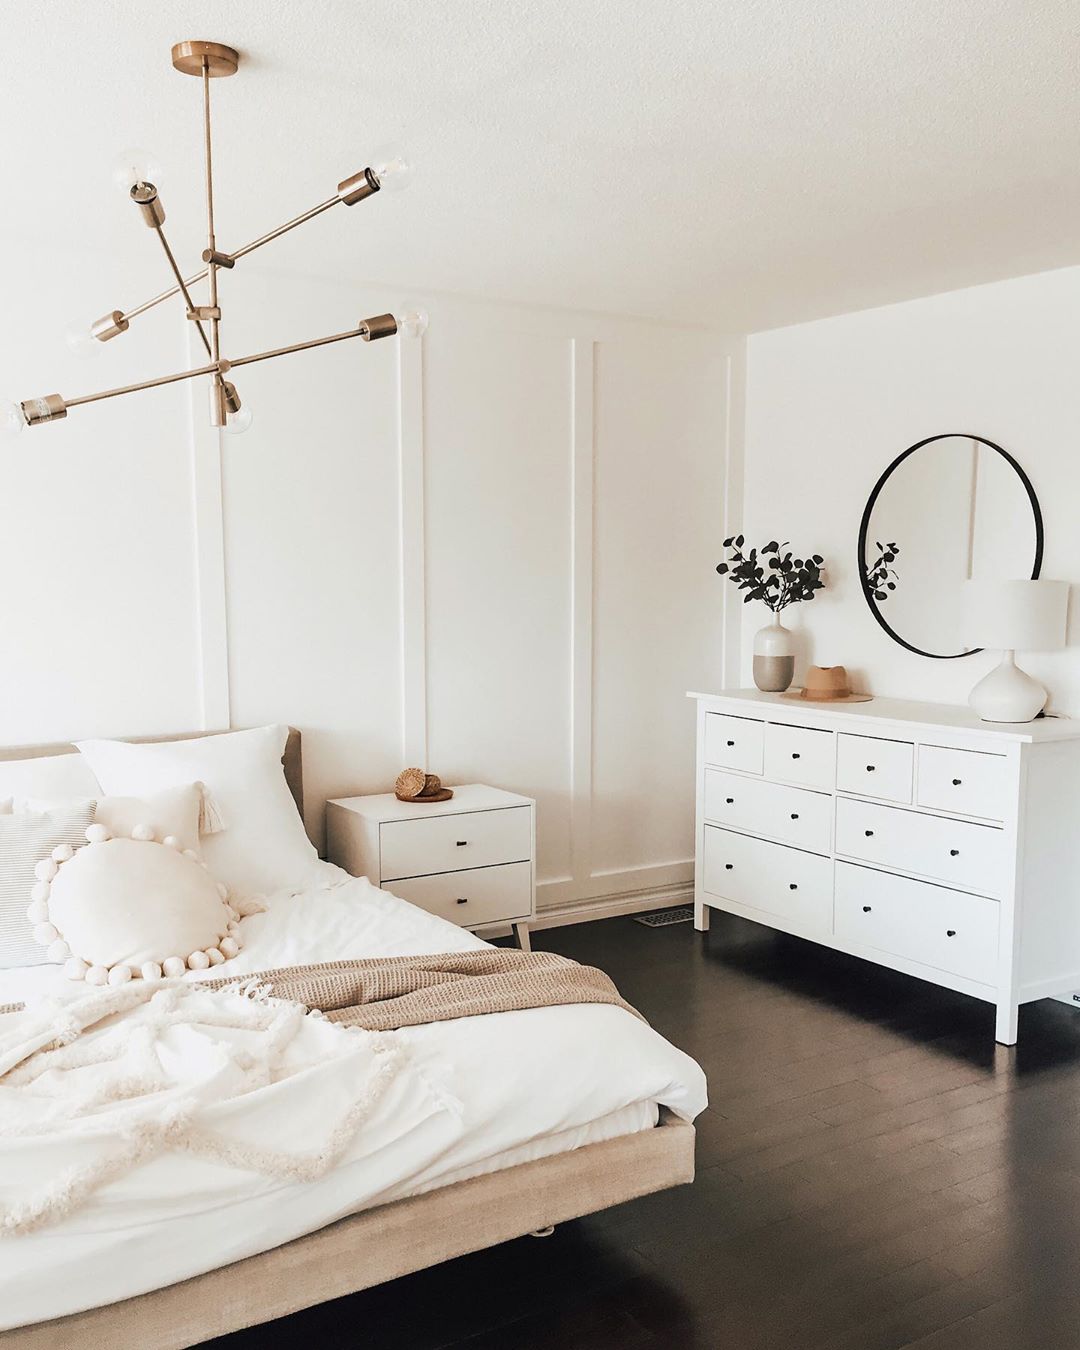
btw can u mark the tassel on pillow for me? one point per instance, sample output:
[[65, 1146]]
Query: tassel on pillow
[[211, 820]]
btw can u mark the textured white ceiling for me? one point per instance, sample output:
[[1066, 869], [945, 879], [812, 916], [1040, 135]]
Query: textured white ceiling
[[741, 163]]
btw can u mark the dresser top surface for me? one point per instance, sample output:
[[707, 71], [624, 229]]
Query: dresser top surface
[[384, 806], [866, 717]]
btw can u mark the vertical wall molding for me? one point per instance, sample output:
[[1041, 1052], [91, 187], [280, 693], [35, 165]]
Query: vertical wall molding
[[734, 498], [209, 543], [413, 553], [583, 453]]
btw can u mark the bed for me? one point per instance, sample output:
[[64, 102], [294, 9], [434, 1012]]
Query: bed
[[544, 1115]]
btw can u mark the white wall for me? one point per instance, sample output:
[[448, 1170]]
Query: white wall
[[490, 552], [830, 404]]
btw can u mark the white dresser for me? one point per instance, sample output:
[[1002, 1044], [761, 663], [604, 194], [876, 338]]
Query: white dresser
[[470, 860], [910, 834]]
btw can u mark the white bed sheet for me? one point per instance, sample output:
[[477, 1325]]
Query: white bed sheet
[[505, 1089]]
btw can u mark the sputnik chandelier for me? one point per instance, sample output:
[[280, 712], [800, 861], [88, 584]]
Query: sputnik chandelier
[[388, 172]]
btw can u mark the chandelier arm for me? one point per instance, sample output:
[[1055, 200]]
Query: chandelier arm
[[143, 384], [182, 287], [362, 331], [380, 326]]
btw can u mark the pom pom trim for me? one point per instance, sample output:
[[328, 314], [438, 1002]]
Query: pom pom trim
[[75, 967]]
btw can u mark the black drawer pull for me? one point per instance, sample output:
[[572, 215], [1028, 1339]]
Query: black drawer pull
[[956, 782], [463, 900], [730, 743], [869, 833], [950, 932], [794, 815], [728, 867], [795, 755], [462, 842], [793, 886], [866, 909], [870, 768], [730, 801], [954, 853]]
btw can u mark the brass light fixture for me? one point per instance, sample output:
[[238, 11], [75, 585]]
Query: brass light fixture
[[390, 170]]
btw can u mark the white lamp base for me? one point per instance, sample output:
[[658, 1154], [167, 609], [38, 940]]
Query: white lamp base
[[1007, 694]]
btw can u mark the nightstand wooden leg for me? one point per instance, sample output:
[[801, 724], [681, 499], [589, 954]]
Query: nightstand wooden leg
[[521, 936], [701, 916]]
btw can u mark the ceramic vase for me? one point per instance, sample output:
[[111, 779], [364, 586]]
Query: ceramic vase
[[774, 657]]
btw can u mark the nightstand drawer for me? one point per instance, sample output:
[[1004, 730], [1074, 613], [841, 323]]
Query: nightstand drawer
[[477, 896], [454, 843]]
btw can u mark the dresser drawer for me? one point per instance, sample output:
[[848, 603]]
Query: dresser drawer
[[793, 814], [734, 742], [411, 848], [953, 851], [969, 782], [800, 755], [782, 881], [937, 927], [473, 897], [874, 768]]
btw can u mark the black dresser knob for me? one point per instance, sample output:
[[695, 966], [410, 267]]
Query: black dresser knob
[[950, 932], [728, 867], [796, 756], [794, 815], [956, 782], [730, 743], [463, 899], [870, 768], [793, 886], [462, 842], [730, 801], [869, 833], [954, 853], [866, 909]]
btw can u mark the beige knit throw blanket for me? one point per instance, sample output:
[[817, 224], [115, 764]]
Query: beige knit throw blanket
[[386, 993]]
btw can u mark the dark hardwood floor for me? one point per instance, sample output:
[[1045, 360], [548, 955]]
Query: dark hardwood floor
[[873, 1173]]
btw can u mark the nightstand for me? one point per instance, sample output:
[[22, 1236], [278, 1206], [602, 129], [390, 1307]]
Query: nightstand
[[471, 860]]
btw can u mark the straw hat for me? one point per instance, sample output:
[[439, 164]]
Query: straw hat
[[827, 684]]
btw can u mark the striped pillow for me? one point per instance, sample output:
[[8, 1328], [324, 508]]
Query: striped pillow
[[24, 841]]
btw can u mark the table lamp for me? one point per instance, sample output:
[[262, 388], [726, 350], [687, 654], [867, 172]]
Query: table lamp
[[1012, 616]]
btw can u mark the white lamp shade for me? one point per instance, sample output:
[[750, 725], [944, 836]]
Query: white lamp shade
[[1021, 616]]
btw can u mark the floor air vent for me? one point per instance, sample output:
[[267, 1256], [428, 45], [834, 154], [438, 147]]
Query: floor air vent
[[661, 918]]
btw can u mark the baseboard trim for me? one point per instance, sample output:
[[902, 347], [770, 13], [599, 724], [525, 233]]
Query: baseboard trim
[[611, 906], [602, 907]]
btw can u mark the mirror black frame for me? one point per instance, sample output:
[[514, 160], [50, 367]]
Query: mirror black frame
[[864, 527]]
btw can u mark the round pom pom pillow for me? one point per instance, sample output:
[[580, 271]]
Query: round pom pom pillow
[[127, 908]]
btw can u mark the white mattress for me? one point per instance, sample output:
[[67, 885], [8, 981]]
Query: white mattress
[[509, 1088]]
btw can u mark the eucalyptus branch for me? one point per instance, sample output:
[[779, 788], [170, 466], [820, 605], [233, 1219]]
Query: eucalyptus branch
[[776, 578]]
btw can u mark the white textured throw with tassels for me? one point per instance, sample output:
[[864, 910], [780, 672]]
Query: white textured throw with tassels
[[117, 1077]]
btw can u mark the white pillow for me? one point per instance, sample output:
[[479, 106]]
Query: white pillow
[[172, 813], [25, 840], [263, 846], [55, 776], [130, 907]]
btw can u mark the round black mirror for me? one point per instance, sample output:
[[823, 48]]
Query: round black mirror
[[949, 508]]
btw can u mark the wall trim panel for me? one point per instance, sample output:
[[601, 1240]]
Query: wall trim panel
[[413, 553], [210, 562]]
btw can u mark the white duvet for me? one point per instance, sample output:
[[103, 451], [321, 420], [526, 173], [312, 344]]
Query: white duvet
[[464, 1097]]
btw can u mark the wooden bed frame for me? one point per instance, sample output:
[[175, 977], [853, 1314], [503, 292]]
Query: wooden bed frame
[[374, 1245]]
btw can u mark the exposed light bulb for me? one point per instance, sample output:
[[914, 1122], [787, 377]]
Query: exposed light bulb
[[81, 341], [135, 166], [392, 167], [238, 422], [12, 421], [412, 323]]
